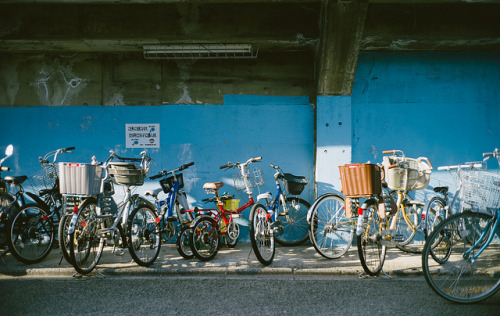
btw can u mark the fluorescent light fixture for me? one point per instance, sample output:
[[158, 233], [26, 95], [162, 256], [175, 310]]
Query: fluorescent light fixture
[[199, 51]]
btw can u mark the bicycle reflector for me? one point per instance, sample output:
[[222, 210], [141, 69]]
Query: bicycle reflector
[[157, 219], [360, 211], [75, 209]]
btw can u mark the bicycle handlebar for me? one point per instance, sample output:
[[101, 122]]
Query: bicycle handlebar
[[164, 172], [237, 164], [2, 168], [465, 166]]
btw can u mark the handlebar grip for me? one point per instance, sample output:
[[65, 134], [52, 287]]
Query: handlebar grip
[[257, 158], [156, 176], [387, 152], [487, 154], [4, 168], [185, 166], [392, 166], [224, 167], [69, 148]]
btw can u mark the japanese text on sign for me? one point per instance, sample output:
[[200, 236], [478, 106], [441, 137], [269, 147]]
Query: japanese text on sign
[[142, 135]]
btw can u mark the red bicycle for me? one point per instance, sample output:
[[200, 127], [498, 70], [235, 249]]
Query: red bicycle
[[207, 230]]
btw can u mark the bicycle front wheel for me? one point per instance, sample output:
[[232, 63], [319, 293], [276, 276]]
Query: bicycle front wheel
[[294, 221], [31, 234], [143, 235], [458, 275], [86, 244], [404, 232], [182, 243], [261, 234], [370, 249], [63, 236], [435, 213], [330, 232], [204, 238]]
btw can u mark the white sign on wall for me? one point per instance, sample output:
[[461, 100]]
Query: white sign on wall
[[142, 135]]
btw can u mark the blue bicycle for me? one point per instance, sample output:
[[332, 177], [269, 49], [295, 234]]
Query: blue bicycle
[[148, 226], [283, 218]]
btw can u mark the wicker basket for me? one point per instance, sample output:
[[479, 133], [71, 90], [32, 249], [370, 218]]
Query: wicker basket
[[360, 180], [414, 176], [126, 173]]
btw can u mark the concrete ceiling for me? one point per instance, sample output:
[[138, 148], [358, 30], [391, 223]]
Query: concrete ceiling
[[327, 28]]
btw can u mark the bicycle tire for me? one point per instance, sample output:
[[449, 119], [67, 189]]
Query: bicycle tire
[[86, 245], [63, 235], [435, 213], [261, 235], [329, 231], [204, 238], [5, 211], [143, 235], [182, 243], [295, 226], [30, 233], [371, 251], [456, 278]]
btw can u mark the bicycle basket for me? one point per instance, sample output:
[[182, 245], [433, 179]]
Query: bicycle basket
[[44, 179], [415, 176], [168, 183], [295, 184], [360, 180], [126, 173], [480, 189], [255, 178], [79, 178], [231, 204]]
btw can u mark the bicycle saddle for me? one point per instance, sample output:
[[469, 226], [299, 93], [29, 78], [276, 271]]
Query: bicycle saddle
[[15, 180], [213, 185], [442, 190]]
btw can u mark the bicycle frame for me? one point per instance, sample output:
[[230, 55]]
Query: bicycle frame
[[495, 222]]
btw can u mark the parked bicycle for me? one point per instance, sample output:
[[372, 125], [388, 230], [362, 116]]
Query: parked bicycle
[[208, 229], [438, 208], [282, 218], [98, 217], [461, 257], [148, 226], [32, 228], [5, 201], [369, 210]]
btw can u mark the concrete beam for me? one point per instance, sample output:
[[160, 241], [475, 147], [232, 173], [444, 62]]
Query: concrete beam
[[343, 24]]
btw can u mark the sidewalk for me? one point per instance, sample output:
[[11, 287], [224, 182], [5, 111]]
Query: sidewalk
[[300, 260]]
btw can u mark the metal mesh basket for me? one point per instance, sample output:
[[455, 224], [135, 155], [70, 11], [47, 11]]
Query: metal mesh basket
[[480, 189], [255, 178], [44, 179]]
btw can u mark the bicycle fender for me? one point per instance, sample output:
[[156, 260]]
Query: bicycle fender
[[309, 212], [137, 198], [38, 201], [266, 195]]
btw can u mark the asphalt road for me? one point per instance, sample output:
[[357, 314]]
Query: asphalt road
[[229, 295]]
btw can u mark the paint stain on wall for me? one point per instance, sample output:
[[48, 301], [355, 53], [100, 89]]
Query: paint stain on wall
[[56, 84]]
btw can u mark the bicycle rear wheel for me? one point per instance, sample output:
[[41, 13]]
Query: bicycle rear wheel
[[182, 243], [143, 236], [204, 238], [294, 221], [261, 234], [435, 213], [63, 236], [86, 244], [330, 232], [404, 233], [31, 234], [455, 276], [370, 249]]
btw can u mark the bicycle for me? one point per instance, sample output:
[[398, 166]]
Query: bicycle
[[461, 257], [5, 200], [438, 208], [266, 224], [32, 228], [98, 216], [208, 229], [148, 226]]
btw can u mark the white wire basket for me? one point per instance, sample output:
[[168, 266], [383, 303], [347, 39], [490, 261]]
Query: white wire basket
[[480, 189], [43, 179], [255, 178]]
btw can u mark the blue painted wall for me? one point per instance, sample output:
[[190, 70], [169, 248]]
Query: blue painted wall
[[277, 128], [442, 105]]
